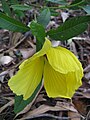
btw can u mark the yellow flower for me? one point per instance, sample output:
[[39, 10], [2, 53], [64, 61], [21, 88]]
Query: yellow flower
[[61, 71]]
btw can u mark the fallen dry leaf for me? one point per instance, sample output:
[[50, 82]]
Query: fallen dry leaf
[[26, 53], [67, 106], [6, 105], [5, 60], [42, 109], [74, 115], [64, 16]]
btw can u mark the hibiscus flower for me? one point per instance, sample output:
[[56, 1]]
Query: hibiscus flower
[[59, 68]]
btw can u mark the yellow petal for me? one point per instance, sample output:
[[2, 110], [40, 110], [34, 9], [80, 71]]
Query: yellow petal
[[27, 79], [63, 61], [43, 51], [60, 85]]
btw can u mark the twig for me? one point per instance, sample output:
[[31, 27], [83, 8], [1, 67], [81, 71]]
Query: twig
[[1, 50], [81, 50], [5, 51], [87, 68], [6, 105], [88, 116], [4, 73], [80, 38], [51, 116], [7, 71], [16, 44]]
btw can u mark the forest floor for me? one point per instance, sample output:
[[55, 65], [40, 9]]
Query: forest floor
[[16, 47]]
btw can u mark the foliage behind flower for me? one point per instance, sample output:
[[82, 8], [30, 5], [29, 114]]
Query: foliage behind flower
[[61, 70]]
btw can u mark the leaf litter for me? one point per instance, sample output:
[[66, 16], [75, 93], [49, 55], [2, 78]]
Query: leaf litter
[[15, 48]]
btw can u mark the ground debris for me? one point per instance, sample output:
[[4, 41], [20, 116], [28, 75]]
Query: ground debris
[[16, 47]]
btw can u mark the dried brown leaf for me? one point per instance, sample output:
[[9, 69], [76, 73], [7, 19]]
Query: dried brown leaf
[[6, 105], [26, 53], [42, 109], [74, 115], [67, 106]]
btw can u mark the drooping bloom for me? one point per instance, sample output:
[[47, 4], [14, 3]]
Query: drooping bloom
[[60, 69]]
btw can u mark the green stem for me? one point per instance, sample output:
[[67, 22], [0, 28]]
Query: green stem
[[38, 45], [58, 7], [68, 6], [34, 5]]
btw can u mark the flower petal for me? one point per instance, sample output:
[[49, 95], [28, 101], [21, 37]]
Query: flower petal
[[43, 51], [28, 77], [58, 84], [63, 61]]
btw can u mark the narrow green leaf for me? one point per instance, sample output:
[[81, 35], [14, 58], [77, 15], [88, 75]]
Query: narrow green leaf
[[39, 31], [12, 24], [87, 9], [21, 7], [44, 17], [76, 4], [88, 2], [58, 1], [13, 2], [54, 12], [19, 14], [70, 28], [20, 104], [6, 7]]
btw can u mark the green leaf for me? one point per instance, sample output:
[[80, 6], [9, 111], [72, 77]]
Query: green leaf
[[54, 12], [21, 7], [12, 24], [13, 2], [70, 28], [6, 7], [87, 9], [76, 4], [88, 2], [20, 104], [19, 14], [57, 1], [44, 17], [39, 31], [38, 46]]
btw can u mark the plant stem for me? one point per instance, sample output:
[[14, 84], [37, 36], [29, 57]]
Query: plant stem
[[58, 7], [68, 6]]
